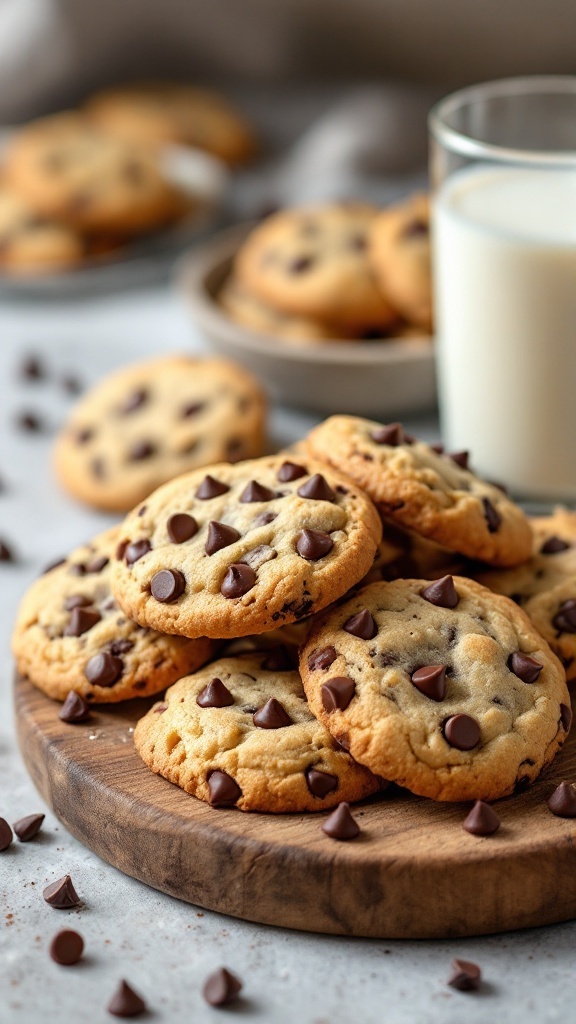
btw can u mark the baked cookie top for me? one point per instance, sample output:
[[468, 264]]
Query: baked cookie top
[[442, 687], [149, 422], [67, 169], [71, 635], [399, 250], [240, 734], [424, 491], [311, 261], [230, 550], [153, 113]]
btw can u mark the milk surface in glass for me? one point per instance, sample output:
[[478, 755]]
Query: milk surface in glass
[[505, 280]]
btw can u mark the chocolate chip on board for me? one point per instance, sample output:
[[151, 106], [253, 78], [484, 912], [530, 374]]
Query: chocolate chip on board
[[340, 824], [74, 709], [481, 820], [562, 801]]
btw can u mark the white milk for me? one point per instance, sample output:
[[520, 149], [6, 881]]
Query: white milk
[[505, 268]]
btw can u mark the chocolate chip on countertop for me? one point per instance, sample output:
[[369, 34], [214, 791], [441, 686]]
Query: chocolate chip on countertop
[[481, 820], [219, 536], [74, 709], [66, 947], [526, 668], [27, 828], [340, 824], [32, 368], [211, 488], [223, 790], [272, 715], [126, 1002], [5, 835], [71, 384], [256, 492], [466, 976], [361, 625], [562, 802], [337, 693], [239, 579], [313, 544], [215, 695], [317, 488], [441, 593], [322, 659], [81, 620], [462, 732], [221, 987], [431, 681], [103, 669], [61, 894], [30, 422], [491, 515], [290, 471], [181, 527], [6, 553], [167, 585], [320, 783], [135, 550]]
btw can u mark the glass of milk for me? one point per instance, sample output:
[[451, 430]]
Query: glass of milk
[[503, 164]]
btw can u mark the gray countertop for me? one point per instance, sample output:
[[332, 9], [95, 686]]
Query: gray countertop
[[163, 947]]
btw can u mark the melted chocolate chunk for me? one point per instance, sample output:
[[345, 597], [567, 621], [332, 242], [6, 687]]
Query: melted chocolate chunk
[[135, 550], [320, 783], [81, 620], [322, 659]]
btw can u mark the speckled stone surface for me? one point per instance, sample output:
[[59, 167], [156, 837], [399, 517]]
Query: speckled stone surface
[[162, 947]]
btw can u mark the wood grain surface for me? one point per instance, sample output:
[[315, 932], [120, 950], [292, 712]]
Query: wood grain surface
[[412, 873]]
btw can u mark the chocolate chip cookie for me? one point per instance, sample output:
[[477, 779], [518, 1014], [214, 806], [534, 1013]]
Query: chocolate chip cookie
[[249, 311], [29, 244], [240, 734], [148, 423], [432, 494], [442, 687], [71, 635], [545, 585], [312, 262], [399, 250], [231, 550]]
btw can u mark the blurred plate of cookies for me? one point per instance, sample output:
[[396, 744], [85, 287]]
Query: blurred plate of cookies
[[330, 304]]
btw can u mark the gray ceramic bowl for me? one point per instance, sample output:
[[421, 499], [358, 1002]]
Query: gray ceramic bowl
[[383, 379]]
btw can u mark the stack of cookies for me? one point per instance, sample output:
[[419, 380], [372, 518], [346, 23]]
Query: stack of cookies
[[337, 271], [312, 613]]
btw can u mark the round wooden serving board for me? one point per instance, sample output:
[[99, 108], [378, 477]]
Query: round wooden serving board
[[412, 873]]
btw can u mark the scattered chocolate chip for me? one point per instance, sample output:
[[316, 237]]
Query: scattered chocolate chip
[[565, 619], [290, 471], [256, 492], [211, 488], [141, 450], [121, 646], [466, 976], [283, 658], [272, 715], [32, 368], [441, 593], [317, 488], [264, 518], [340, 824], [136, 400], [181, 527], [103, 669], [67, 947], [553, 545], [221, 988], [526, 668], [98, 564], [71, 384], [562, 802], [223, 790], [322, 659], [219, 536], [431, 681], [126, 1002], [565, 717], [135, 550], [30, 422], [392, 434], [462, 732], [337, 693], [460, 458], [167, 585], [481, 820], [313, 544], [192, 409], [238, 580], [81, 620], [61, 894], [27, 828], [74, 709], [491, 515], [320, 783], [361, 625], [6, 554], [5, 835], [215, 695], [259, 556]]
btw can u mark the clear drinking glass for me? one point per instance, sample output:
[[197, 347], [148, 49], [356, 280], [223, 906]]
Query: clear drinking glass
[[503, 168]]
